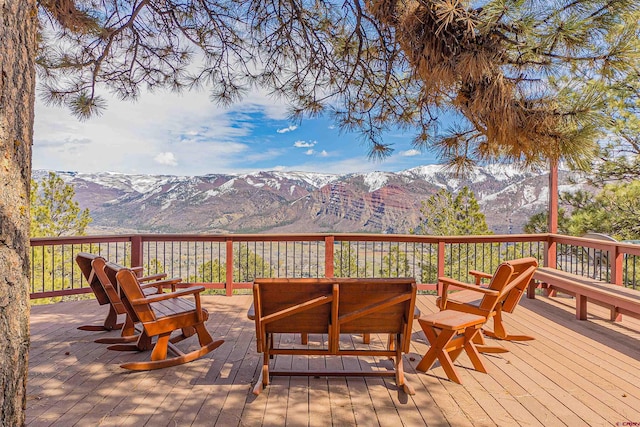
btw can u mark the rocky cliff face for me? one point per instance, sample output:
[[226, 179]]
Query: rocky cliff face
[[301, 202]]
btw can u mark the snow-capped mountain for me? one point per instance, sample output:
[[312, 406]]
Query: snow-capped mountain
[[302, 201]]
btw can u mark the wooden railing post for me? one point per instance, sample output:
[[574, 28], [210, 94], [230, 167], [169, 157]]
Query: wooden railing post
[[136, 251], [441, 259], [616, 260], [229, 264], [328, 256], [551, 252]]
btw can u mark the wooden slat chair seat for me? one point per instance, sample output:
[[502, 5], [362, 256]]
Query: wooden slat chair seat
[[333, 307], [160, 315], [107, 294], [472, 300]]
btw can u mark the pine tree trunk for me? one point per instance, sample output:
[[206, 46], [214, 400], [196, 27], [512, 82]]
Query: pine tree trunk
[[18, 26]]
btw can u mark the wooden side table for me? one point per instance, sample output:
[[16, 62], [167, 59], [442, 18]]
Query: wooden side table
[[449, 332]]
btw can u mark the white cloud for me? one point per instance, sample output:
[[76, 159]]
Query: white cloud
[[166, 158], [410, 153], [324, 153], [205, 138], [287, 129], [304, 144], [309, 152]]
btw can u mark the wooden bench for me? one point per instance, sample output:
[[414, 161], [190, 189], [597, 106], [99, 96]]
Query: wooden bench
[[618, 299], [333, 307]]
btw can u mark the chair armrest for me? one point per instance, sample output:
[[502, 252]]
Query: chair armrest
[[152, 277], [479, 275], [159, 284], [169, 295], [446, 281]]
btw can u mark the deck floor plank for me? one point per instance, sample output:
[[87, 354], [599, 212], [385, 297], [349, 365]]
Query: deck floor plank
[[575, 372]]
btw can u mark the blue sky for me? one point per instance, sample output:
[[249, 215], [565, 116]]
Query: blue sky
[[187, 134]]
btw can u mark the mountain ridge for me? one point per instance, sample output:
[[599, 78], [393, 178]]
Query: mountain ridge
[[277, 201]]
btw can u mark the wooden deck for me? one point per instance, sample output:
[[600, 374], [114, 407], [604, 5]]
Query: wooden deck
[[575, 373]]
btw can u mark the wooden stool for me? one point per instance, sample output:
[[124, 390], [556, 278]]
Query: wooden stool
[[449, 332]]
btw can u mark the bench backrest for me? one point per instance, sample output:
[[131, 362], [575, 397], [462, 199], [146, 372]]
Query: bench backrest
[[277, 295], [380, 305], [335, 305]]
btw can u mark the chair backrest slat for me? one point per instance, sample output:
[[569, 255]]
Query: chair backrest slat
[[84, 260], [130, 290], [519, 267], [499, 281]]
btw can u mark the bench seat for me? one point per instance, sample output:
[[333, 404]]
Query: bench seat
[[618, 299]]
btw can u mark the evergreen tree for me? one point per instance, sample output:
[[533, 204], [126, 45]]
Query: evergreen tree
[[529, 79], [54, 212], [539, 222], [346, 264], [444, 215], [395, 264], [614, 210]]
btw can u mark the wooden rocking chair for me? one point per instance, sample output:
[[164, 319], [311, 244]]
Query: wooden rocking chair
[[475, 300], [160, 315], [106, 293], [452, 331]]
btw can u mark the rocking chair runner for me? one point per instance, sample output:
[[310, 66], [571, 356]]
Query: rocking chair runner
[[106, 293], [471, 299], [161, 314]]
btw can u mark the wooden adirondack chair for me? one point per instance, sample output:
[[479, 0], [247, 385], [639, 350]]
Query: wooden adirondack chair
[[92, 267], [106, 293], [451, 331], [106, 274], [84, 261], [160, 315], [473, 299]]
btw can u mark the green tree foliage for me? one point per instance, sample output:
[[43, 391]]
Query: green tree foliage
[[54, 212], [395, 264], [614, 210], [445, 215], [247, 265], [346, 261], [539, 222], [153, 266], [211, 272]]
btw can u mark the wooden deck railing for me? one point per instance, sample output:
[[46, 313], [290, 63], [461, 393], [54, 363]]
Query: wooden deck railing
[[231, 261]]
